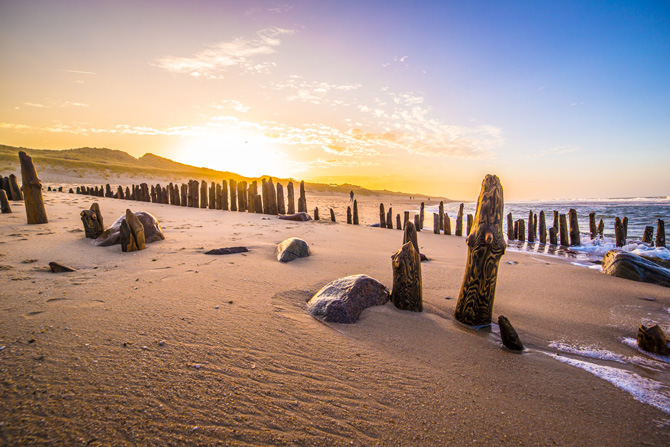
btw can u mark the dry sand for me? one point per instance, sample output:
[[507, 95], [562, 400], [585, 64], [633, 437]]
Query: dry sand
[[169, 346]]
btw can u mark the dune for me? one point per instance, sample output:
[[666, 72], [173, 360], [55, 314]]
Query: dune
[[169, 346]]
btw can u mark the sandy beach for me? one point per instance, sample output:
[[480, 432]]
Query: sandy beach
[[169, 346]]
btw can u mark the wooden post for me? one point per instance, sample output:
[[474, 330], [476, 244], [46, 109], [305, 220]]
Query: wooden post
[[624, 222], [592, 225], [302, 201], [660, 233], [648, 234], [233, 195], [316, 213], [436, 223], [4, 202], [406, 293], [510, 227], [618, 233], [258, 204], [32, 187], [535, 226], [128, 194], [108, 191], [119, 192], [241, 193], [281, 204], [574, 228], [154, 196], [389, 218], [355, 212], [92, 219], [266, 197], [132, 233], [459, 221], [398, 224], [516, 230], [422, 214], [447, 225], [468, 226], [219, 197], [553, 237], [405, 218], [291, 199], [522, 230], [183, 199], [601, 227], [441, 214], [203, 194], [332, 215], [556, 221], [14, 186], [410, 235], [563, 230], [7, 189], [543, 228], [531, 231], [417, 222], [349, 215], [486, 245], [273, 197], [382, 216], [224, 195], [212, 196]]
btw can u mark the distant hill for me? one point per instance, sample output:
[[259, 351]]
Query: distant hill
[[108, 162]]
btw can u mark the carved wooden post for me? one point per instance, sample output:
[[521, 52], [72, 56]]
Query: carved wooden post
[[510, 227], [332, 215], [422, 214], [349, 215], [4, 202], [398, 224], [618, 233], [291, 198], [14, 186], [406, 293], [660, 233], [648, 234], [592, 225], [281, 205], [447, 225], [486, 245], [441, 214], [32, 187], [389, 218], [436, 223], [92, 219], [302, 201], [233, 195], [212, 196], [355, 212], [574, 228], [522, 230], [553, 237], [316, 213], [543, 228], [459, 221], [601, 227], [563, 230], [382, 216], [224, 195]]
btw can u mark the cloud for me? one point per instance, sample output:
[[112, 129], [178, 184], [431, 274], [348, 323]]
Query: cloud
[[53, 104], [396, 60], [556, 150], [315, 92], [335, 163], [32, 104], [232, 104], [241, 53], [77, 71]]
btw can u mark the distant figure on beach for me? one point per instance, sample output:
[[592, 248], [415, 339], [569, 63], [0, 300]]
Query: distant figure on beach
[[351, 195]]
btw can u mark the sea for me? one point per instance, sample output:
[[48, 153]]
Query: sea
[[641, 212]]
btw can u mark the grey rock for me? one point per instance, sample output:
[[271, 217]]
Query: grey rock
[[636, 268], [291, 249], [343, 300]]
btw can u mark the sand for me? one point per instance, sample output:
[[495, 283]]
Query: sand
[[169, 346]]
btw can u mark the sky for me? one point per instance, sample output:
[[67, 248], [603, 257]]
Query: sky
[[560, 99]]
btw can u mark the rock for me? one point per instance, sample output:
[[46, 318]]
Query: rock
[[291, 249], [60, 268], [92, 219], [636, 268], [343, 300], [509, 336], [227, 251], [298, 217], [152, 230], [652, 339]]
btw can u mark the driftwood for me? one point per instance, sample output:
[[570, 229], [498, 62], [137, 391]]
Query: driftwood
[[447, 224], [4, 202], [32, 188], [290, 196], [227, 251], [648, 234], [509, 336], [486, 245], [332, 215], [382, 216], [92, 219], [543, 228], [510, 227], [132, 233], [60, 268], [563, 230], [636, 268], [355, 212], [660, 233], [14, 187], [406, 293], [619, 233], [298, 217], [459, 221], [574, 228]]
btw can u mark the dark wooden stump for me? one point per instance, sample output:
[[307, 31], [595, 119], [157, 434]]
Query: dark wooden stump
[[574, 228], [648, 235], [592, 225], [281, 204], [212, 196], [233, 195], [660, 233], [398, 223], [486, 245], [531, 230], [203, 194], [32, 188], [332, 215], [556, 221], [405, 217], [349, 215], [382, 216], [224, 195], [468, 223], [290, 196], [510, 227], [447, 224], [4, 202], [389, 218], [273, 198], [624, 222], [316, 213], [183, 195], [406, 293], [436, 223], [119, 193], [302, 201], [553, 236], [422, 215], [619, 233], [543, 228], [563, 230], [459, 221], [93, 223], [241, 195], [522, 230], [355, 212], [14, 186], [417, 222], [601, 227], [258, 204], [516, 230], [441, 215]]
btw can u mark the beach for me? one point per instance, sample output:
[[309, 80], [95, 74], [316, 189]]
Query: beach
[[169, 346]]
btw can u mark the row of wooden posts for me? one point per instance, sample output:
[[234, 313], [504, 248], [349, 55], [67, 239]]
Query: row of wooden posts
[[243, 196], [30, 192], [560, 233], [441, 220]]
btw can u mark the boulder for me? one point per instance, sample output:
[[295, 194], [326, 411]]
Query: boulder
[[291, 249], [634, 267], [343, 300], [652, 339], [112, 235], [509, 336], [299, 217]]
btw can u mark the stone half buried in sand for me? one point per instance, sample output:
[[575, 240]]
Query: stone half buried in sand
[[652, 339], [152, 230], [298, 217], [508, 335], [630, 266], [343, 300], [291, 249]]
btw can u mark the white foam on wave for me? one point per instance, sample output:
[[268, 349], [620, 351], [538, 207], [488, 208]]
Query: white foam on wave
[[588, 351], [633, 344], [600, 246], [647, 391]]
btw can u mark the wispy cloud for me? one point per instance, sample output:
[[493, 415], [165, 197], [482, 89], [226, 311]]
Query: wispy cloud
[[315, 92], [232, 104], [556, 150], [397, 60], [242, 53], [51, 104], [37, 105], [78, 71]]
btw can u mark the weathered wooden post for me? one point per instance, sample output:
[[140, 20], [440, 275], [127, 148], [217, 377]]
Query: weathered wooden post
[[382, 216], [291, 198], [281, 204], [574, 228], [183, 199], [436, 223], [543, 228], [553, 237], [128, 194], [468, 225], [516, 230], [224, 195], [273, 198], [14, 187], [592, 225], [8, 191], [441, 214], [648, 234], [32, 187], [447, 224], [119, 192], [535, 225], [624, 222], [619, 233], [219, 197], [251, 196], [417, 222], [108, 191], [522, 230], [266, 197], [601, 227], [332, 215], [4, 202], [92, 219], [563, 230], [349, 215], [405, 218], [531, 231], [486, 245], [510, 227], [389, 218], [212, 196], [355, 212], [203, 194], [398, 224], [302, 201], [660, 233], [241, 193], [132, 233], [406, 263], [316, 213], [459, 221], [233, 195], [258, 204], [422, 214]]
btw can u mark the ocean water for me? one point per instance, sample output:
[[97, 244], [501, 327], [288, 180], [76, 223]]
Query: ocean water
[[641, 212]]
